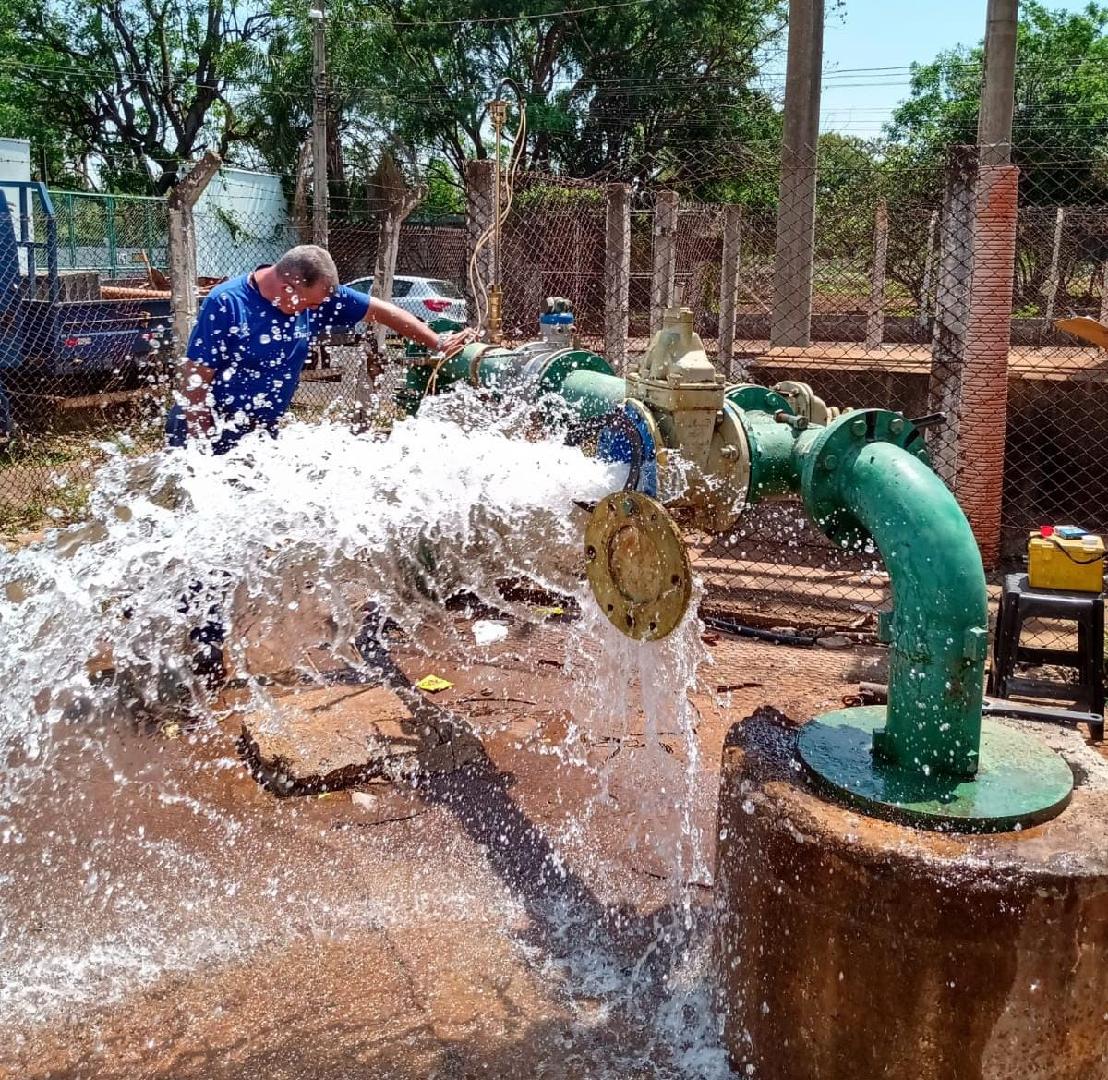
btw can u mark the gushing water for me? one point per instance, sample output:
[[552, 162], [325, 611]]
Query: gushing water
[[284, 546]]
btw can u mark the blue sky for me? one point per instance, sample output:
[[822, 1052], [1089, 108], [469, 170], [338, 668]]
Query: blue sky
[[890, 34]]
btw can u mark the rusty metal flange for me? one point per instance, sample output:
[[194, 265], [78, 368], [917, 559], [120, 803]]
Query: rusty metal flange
[[638, 566]]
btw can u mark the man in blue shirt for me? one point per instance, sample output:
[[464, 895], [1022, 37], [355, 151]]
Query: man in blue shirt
[[251, 338]]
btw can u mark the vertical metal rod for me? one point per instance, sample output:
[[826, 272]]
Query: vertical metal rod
[[109, 209]]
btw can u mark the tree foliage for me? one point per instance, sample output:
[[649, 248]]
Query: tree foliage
[[1060, 126], [137, 87], [642, 91]]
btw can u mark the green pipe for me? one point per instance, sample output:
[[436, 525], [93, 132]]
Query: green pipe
[[773, 464], [499, 369], [938, 631], [592, 393]]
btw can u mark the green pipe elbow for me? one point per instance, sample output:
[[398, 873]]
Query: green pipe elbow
[[938, 632]]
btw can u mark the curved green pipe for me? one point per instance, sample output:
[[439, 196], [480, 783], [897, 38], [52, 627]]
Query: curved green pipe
[[939, 627]]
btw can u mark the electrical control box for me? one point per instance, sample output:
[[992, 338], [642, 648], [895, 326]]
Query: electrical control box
[[1057, 559]]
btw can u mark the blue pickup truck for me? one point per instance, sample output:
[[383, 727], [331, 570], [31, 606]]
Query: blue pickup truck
[[59, 338]]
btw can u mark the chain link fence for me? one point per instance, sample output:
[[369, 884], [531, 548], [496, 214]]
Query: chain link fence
[[893, 289]]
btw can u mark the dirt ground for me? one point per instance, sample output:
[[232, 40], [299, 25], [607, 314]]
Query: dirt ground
[[516, 918]]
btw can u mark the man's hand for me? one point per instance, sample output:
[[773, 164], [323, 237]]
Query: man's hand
[[452, 344], [199, 421]]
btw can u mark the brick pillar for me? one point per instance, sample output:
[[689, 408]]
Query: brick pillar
[[970, 360]]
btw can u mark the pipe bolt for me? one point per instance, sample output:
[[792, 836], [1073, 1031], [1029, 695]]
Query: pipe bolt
[[830, 462], [896, 425], [858, 427]]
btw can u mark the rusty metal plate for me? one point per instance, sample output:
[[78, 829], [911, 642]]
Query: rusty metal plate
[[637, 565]]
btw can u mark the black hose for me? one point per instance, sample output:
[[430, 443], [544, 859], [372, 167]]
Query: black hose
[[776, 637]]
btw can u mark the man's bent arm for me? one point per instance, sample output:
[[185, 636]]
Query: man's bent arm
[[402, 322]]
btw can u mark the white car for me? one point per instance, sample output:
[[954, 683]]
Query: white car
[[425, 298]]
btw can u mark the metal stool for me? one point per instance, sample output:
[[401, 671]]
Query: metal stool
[[1018, 603]]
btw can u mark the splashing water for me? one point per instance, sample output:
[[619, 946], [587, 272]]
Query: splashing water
[[286, 544]]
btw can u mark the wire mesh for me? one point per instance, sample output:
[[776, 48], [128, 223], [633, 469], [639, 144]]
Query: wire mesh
[[889, 278]]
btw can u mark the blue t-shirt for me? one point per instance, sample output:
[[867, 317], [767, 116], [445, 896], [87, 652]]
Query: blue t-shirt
[[257, 352]]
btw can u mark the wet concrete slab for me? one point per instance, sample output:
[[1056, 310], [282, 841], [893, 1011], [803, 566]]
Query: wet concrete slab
[[174, 919], [328, 738]]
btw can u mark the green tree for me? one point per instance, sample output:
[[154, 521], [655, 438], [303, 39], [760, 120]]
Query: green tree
[[136, 88], [1060, 128], [660, 90]]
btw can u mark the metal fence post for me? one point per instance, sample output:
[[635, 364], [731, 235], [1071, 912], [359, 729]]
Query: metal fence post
[[617, 274], [665, 256], [109, 211]]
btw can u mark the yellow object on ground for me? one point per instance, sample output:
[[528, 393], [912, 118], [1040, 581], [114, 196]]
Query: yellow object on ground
[[1054, 562], [433, 684]]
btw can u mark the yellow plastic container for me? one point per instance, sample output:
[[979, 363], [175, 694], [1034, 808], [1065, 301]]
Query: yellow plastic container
[[1072, 565]]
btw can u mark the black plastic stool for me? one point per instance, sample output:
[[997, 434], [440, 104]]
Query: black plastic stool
[[1018, 603]]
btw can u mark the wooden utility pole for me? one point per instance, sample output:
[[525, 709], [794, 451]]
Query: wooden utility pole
[[998, 96], [320, 197], [796, 209]]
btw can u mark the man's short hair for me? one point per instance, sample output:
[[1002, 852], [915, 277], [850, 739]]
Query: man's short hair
[[307, 265]]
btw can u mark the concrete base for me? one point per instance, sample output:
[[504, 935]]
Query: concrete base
[[331, 737], [851, 947]]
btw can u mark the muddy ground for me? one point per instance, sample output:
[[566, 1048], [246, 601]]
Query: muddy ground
[[517, 917]]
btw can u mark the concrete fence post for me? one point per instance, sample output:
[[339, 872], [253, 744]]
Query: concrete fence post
[[665, 256], [480, 209], [875, 321], [729, 286], [617, 275], [1054, 278], [928, 271]]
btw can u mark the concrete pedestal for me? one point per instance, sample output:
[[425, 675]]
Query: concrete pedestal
[[852, 948]]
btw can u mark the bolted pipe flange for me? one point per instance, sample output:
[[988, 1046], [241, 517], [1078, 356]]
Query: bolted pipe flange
[[834, 447], [637, 565], [753, 398]]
